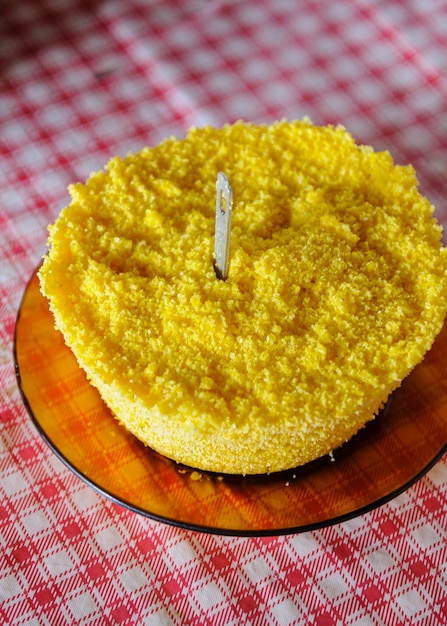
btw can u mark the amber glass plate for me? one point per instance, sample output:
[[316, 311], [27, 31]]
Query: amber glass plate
[[385, 458]]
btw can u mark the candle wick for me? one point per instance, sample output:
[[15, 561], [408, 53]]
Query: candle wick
[[224, 206]]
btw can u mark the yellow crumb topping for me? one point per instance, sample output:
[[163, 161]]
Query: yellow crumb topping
[[337, 288]]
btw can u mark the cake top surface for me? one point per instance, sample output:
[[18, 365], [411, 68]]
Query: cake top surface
[[336, 289]]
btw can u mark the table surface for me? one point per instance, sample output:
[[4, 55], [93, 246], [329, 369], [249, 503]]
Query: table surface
[[81, 81]]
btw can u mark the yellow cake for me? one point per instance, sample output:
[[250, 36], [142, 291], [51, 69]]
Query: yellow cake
[[337, 288]]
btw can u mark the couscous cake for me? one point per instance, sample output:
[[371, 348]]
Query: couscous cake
[[336, 290]]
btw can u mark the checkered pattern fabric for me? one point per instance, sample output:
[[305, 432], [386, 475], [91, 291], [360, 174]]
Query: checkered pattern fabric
[[82, 80]]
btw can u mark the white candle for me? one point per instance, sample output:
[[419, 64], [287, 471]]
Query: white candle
[[224, 205]]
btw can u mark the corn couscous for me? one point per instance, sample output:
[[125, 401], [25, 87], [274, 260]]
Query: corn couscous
[[336, 290]]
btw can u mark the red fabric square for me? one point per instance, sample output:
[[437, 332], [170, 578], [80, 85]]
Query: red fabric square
[[219, 561], [247, 604], [120, 614], [342, 551], [419, 568], [172, 587], [297, 577], [7, 415], [432, 504], [72, 529], [4, 513], [50, 490], [95, 571], [27, 453], [145, 545], [21, 554], [44, 596], [388, 528], [372, 593], [325, 619]]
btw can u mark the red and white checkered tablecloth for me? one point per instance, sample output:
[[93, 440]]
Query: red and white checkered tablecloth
[[83, 80]]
